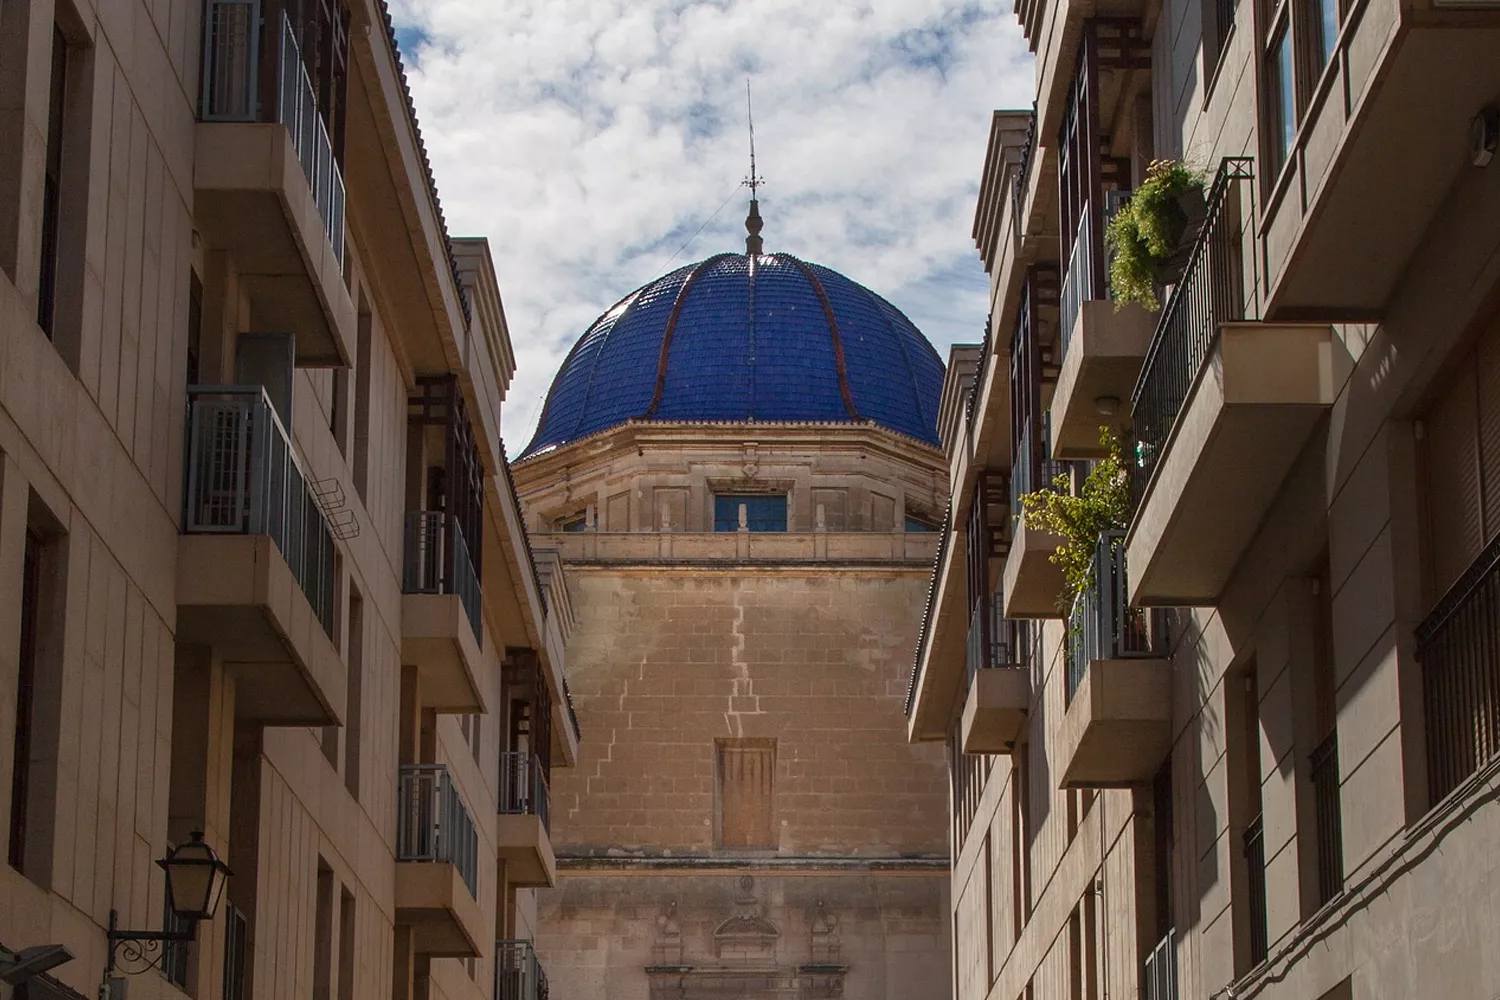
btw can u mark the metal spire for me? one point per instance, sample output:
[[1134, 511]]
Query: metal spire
[[753, 224]]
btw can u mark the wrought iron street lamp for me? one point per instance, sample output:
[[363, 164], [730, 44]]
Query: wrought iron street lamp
[[195, 883]]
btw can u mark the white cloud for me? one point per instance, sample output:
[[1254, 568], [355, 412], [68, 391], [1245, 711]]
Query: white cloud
[[588, 139]]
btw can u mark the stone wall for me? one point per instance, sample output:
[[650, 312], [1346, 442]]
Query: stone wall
[[668, 659]]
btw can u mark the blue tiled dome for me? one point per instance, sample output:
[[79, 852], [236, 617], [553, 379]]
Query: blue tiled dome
[[736, 338]]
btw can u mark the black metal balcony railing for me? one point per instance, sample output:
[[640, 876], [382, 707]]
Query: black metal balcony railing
[[1255, 869], [1020, 179], [1211, 292], [523, 787], [1458, 646], [1102, 625], [1328, 809], [1159, 981], [243, 478], [231, 92], [438, 562], [433, 824]]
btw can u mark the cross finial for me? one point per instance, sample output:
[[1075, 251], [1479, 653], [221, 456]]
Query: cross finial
[[753, 224]]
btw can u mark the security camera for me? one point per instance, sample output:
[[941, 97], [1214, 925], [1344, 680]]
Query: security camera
[[19, 966]]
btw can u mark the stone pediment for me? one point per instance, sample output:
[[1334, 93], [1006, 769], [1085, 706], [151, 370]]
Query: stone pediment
[[745, 961]]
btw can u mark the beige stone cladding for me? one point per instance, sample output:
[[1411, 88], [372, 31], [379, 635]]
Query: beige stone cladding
[[1312, 536], [742, 692], [211, 351]]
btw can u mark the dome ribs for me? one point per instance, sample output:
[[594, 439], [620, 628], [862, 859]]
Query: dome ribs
[[666, 338], [833, 332]]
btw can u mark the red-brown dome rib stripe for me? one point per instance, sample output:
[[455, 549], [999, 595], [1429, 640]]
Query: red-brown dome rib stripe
[[666, 337], [833, 332]]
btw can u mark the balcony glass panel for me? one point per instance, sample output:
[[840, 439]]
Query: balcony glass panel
[[523, 787], [1102, 625], [438, 562], [518, 972], [232, 92], [433, 824]]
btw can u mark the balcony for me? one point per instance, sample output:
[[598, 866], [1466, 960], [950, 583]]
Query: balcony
[[994, 716], [441, 621], [437, 864], [267, 186], [255, 563], [522, 836], [1461, 678], [1118, 726], [1377, 153], [1031, 582], [1215, 388], [1103, 346], [518, 972]]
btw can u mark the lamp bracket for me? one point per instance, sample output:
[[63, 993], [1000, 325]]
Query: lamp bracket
[[134, 952]]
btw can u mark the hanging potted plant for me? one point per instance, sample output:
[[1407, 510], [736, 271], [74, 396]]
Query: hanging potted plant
[[1151, 237], [1102, 504]]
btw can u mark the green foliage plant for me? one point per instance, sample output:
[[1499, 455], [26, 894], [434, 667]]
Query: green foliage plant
[[1102, 504], [1145, 233]]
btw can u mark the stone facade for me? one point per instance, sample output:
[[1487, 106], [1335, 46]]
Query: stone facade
[[220, 610], [1290, 798], [691, 644]]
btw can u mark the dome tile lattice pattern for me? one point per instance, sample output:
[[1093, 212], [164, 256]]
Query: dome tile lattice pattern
[[738, 339]]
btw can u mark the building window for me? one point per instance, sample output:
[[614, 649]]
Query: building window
[[52, 184], [1300, 43], [34, 742], [919, 524], [174, 961], [761, 511], [574, 522], [1281, 100], [1218, 21], [746, 772], [236, 952], [353, 727]]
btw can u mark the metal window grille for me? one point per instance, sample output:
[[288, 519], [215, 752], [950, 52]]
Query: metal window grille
[[1211, 292], [243, 478], [1255, 868], [236, 952], [1159, 981], [174, 954], [523, 787], [1102, 625], [1458, 646], [1330, 819], [433, 824]]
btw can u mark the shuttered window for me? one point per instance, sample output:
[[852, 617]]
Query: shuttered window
[[1461, 458], [746, 779]]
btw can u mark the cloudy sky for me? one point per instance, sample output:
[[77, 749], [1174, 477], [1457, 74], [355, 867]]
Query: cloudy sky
[[590, 139]]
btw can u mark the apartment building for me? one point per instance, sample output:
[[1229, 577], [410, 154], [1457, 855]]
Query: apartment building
[[263, 574], [738, 467], [1252, 751]]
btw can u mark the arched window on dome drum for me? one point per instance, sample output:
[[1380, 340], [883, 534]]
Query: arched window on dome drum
[[763, 511]]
